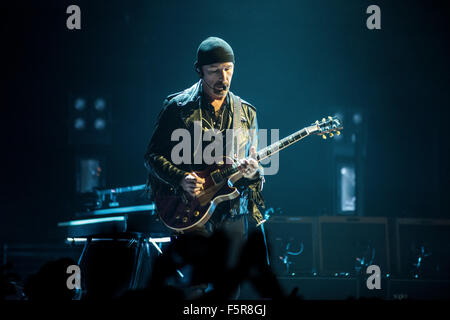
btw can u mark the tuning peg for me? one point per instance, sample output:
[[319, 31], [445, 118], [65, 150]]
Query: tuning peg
[[338, 132], [330, 117], [323, 119], [317, 122], [324, 137], [331, 134]]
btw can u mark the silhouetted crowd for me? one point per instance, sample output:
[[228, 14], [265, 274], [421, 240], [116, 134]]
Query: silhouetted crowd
[[192, 267]]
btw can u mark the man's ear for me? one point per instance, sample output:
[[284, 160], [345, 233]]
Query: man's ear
[[198, 70]]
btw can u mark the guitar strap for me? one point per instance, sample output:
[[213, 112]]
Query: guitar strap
[[236, 105]]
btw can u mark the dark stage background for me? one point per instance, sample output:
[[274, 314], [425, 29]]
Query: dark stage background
[[296, 61]]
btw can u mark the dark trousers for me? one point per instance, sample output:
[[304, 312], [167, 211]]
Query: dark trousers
[[236, 230]]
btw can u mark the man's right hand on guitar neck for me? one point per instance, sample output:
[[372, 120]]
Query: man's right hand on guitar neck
[[192, 184]]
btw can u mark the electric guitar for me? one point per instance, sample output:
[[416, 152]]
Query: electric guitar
[[182, 212]]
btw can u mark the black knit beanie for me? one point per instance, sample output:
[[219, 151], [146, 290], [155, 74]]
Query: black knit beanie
[[214, 50]]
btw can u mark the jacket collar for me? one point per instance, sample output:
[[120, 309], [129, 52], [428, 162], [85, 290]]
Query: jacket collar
[[189, 95], [190, 101]]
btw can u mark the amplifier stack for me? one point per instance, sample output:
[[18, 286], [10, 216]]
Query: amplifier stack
[[327, 257]]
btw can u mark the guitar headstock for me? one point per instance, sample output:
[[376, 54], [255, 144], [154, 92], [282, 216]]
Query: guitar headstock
[[328, 126]]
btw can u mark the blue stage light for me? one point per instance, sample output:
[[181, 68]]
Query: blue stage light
[[100, 104], [100, 124], [80, 104], [79, 124], [89, 221]]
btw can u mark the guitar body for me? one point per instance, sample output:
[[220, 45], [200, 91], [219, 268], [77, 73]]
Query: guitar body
[[182, 213]]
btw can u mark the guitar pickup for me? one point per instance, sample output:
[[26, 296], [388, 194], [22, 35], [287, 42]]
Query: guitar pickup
[[216, 177]]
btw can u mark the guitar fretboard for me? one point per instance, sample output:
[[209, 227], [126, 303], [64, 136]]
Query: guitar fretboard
[[283, 143], [273, 148]]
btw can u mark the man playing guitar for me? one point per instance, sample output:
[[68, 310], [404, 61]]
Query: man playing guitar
[[210, 103]]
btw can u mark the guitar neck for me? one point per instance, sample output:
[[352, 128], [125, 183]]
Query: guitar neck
[[275, 147], [330, 125], [285, 142]]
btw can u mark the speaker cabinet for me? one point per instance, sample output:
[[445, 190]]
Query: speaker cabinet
[[349, 244], [292, 245], [423, 248]]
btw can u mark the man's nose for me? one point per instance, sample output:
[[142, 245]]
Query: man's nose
[[223, 75]]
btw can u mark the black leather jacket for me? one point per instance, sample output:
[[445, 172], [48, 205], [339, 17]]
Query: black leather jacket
[[180, 110]]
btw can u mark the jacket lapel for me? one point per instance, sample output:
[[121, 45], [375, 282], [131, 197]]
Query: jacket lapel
[[190, 106]]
